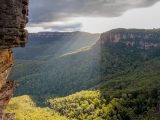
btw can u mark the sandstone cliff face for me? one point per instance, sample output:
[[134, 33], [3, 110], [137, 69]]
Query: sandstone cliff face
[[143, 39], [13, 19], [12, 22]]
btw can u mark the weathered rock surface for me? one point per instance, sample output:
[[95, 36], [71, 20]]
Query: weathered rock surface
[[6, 62], [143, 39], [13, 19], [12, 22]]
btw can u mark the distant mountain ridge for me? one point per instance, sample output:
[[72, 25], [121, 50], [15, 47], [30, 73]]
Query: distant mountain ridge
[[55, 44], [52, 34]]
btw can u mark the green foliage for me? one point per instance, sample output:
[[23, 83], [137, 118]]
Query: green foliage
[[44, 69], [25, 109], [125, 79], [139, 90], [82, 105], [89, 105], [129, 96]]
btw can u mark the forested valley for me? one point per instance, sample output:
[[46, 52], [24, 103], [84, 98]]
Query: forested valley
[[83, 76]]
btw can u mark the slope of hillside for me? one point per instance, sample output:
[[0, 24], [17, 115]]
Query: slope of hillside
[[130, 70], [134, 96], [139, 89], [123, 50]]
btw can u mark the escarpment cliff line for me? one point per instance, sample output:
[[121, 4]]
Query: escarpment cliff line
[[13, 19], [139, 38]]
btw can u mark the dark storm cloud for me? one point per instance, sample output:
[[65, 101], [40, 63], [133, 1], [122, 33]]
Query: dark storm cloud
[[66, 27], [55, 10], [43, 12]]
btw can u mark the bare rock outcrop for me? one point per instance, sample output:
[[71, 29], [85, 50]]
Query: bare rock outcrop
[[13, 19], [141, 38]]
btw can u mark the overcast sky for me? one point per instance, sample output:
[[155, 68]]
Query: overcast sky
[[94, 16]]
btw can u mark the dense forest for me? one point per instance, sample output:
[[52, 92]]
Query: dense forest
[[53, 61], [113, 78]]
